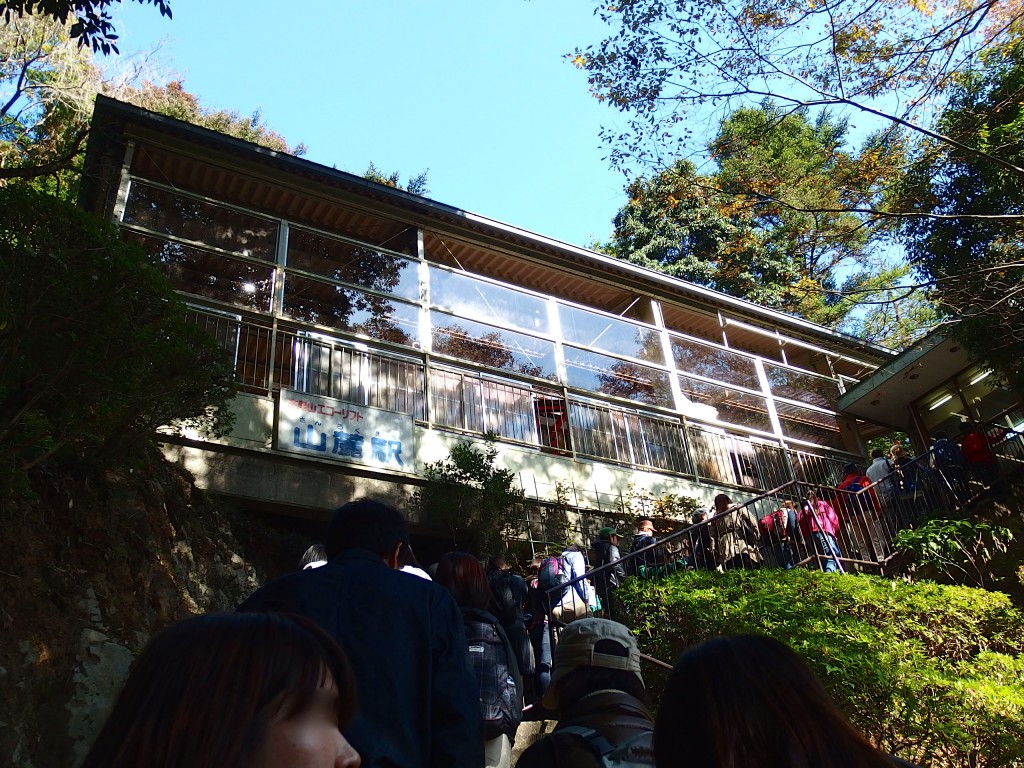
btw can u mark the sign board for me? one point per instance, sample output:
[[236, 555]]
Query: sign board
[[355, 434]]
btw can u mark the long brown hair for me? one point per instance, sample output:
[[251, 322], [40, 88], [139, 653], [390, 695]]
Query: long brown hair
[[204, 690], [462, 575], [750, 702]]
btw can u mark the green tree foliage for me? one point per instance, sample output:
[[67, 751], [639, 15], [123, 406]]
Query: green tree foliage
[[473, 499], [961, 550], [416, 185], [927, 672], [48, 85], [95, 349], [670, 66], [770, 224], [174, 101], [92, 25], [966, 238]]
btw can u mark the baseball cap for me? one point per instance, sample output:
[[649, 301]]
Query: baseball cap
[[577, 648], [607, 532]]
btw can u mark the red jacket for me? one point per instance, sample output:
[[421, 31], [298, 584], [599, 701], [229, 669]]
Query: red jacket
[[977, 448], [854, 502]]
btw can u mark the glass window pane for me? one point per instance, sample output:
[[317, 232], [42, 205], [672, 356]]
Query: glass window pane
[[312, 301], [467, 296], [356, 264], [495, 347], [714, 363], [199, 272], [812, 426], [796, 385], [620, 378], [172, 214], [620, 337], [730, 405]]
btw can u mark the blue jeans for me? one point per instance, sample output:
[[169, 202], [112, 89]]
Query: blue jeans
[[825, 544]]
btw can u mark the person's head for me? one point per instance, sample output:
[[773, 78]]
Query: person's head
[[722, 502], [367, 524], [497, 563], [594, 655], [896, 450], [812, 495], [750, 702], [877, 453], [233, 690], [313, 557], [940, 434], [462, 575], [850, 469], [645, 527], [609, 534], [789, 504]]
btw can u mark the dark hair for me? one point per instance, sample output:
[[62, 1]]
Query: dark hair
[[496, 563], [366, 524], [723, 499], [877, 453], [204, 690], [749, 701], [462, 575], [314, 554], [941, 434]]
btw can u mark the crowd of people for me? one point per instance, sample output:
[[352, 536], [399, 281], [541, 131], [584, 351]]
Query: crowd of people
[[350, 661]]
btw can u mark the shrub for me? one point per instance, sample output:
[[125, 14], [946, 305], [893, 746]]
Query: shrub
[[932, 673], [95, 350]]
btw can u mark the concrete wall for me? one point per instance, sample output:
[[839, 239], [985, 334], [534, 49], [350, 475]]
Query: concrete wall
[[245, 465]]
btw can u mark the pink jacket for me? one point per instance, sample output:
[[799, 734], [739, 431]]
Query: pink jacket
[[809, 522]]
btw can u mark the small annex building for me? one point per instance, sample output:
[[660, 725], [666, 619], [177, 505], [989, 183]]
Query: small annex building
[[371, 329]]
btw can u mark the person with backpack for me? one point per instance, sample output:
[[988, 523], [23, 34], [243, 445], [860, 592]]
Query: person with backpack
[[606, 548], [600, 701], [509, 593], [819, 524], [644, 539], [859, 506], [578, 597], [949, 463], [490, 656], [778, 531], [978, 453]]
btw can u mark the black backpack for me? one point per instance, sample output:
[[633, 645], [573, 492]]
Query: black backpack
[[496, 672]]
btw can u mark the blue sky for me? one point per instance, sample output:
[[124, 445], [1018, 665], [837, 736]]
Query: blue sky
[[478, 92]]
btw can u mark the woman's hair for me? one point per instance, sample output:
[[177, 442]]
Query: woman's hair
[[204, 690], [462, 575], [750, 702]]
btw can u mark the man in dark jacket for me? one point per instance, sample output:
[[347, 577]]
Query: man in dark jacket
[[644, 539], [404, 636], [606, 550]]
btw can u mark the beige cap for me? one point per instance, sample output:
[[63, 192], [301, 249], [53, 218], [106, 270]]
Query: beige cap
[[575, 649]]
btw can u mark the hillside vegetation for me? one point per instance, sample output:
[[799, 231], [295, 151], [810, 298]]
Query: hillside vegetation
[[930, 673]]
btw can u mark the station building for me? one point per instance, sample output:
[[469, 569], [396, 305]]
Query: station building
[[371, 329]]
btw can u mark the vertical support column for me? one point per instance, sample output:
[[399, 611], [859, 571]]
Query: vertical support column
[[124, 183]]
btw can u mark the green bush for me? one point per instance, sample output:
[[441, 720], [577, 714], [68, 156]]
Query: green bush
[[95, 349], [928, 672]]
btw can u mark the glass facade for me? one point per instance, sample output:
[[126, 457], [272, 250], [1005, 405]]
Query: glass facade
[[479, 355]]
